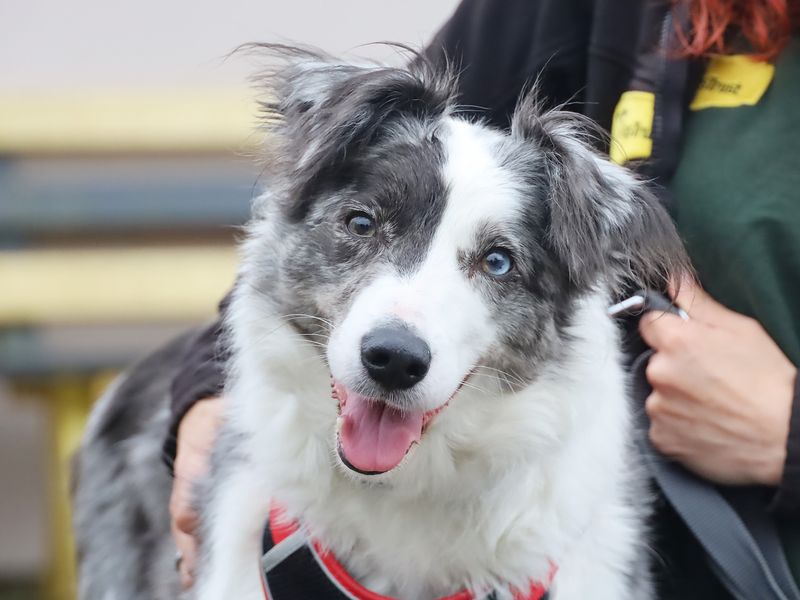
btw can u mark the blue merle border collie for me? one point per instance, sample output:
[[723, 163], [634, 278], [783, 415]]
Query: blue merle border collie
[[424, 376]]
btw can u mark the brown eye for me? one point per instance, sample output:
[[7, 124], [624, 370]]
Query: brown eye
[[361, 225]]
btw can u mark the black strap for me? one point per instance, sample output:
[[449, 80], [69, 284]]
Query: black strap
[[296, 574], [299, 576], [746, 554], [661, 71], [670, 99], [749, 505]]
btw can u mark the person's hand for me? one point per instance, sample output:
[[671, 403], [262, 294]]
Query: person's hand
[[722, 392], [196, 435]]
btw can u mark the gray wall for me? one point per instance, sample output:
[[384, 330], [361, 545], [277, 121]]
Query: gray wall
[[176, 43]]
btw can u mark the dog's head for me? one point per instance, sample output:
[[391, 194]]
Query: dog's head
[[433, 255]]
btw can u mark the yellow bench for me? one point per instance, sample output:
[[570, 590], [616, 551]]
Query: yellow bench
[[134, 284], [103, 122]]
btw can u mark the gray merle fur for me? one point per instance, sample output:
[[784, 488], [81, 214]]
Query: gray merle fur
[[121, 487]]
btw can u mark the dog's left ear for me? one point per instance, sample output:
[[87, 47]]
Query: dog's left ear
[[604, 223]]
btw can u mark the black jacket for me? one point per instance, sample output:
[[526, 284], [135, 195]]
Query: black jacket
[[582, 53]]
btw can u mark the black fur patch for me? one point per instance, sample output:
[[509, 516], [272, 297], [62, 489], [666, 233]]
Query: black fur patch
[[328, 113]]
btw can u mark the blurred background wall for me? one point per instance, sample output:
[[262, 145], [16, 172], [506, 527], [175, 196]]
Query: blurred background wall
[[126, 148]]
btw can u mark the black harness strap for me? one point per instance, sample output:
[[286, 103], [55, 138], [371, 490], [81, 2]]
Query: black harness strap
[[660, 71], [670, 76], [291, 571], [299, 576], [745, 553]]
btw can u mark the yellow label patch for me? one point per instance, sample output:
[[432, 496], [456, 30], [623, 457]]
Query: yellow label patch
[[632, 127], [731, 81]]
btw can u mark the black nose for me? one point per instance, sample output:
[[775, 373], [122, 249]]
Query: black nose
[[395, 357]]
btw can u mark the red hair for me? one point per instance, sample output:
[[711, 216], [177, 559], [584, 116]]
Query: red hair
[[765, 24]]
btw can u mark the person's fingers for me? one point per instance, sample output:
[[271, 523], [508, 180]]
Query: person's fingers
[[664, 331], [181, 504], [187, 549], [195, 438], [196, 435], [667, 422], [699, 304], [659, 373], [183, 515], [184, 527]]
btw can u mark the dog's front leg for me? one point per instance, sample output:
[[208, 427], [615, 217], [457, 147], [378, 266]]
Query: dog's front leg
[[234, 509]]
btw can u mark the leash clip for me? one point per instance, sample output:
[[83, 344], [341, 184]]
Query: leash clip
[[644, 301]]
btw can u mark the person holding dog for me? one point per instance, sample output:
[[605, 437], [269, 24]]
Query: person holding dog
[[700, 96]]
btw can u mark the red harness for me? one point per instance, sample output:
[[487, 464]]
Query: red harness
[[295, 567]]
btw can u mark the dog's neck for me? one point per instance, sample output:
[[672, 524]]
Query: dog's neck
[[429, 546]]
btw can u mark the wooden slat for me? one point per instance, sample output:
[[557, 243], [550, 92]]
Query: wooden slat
[[114, 284], [194, 121]]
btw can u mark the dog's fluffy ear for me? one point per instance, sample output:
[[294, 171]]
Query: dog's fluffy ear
[[320, 113], [603, 221]]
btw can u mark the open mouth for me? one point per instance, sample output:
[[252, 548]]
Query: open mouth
[[373, 437]]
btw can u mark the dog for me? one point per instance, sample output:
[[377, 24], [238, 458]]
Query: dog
[[424, 380]]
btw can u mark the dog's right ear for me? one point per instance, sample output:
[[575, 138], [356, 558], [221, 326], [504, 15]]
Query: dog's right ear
[[320, 113]]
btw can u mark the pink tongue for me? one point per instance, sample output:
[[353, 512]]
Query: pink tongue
[[374, 437]]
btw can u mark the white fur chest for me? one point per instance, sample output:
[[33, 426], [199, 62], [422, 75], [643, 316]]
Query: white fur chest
[[512, 485]]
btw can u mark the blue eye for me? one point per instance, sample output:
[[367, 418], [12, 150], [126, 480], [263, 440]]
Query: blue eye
[[496, 262], [361, 225]]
